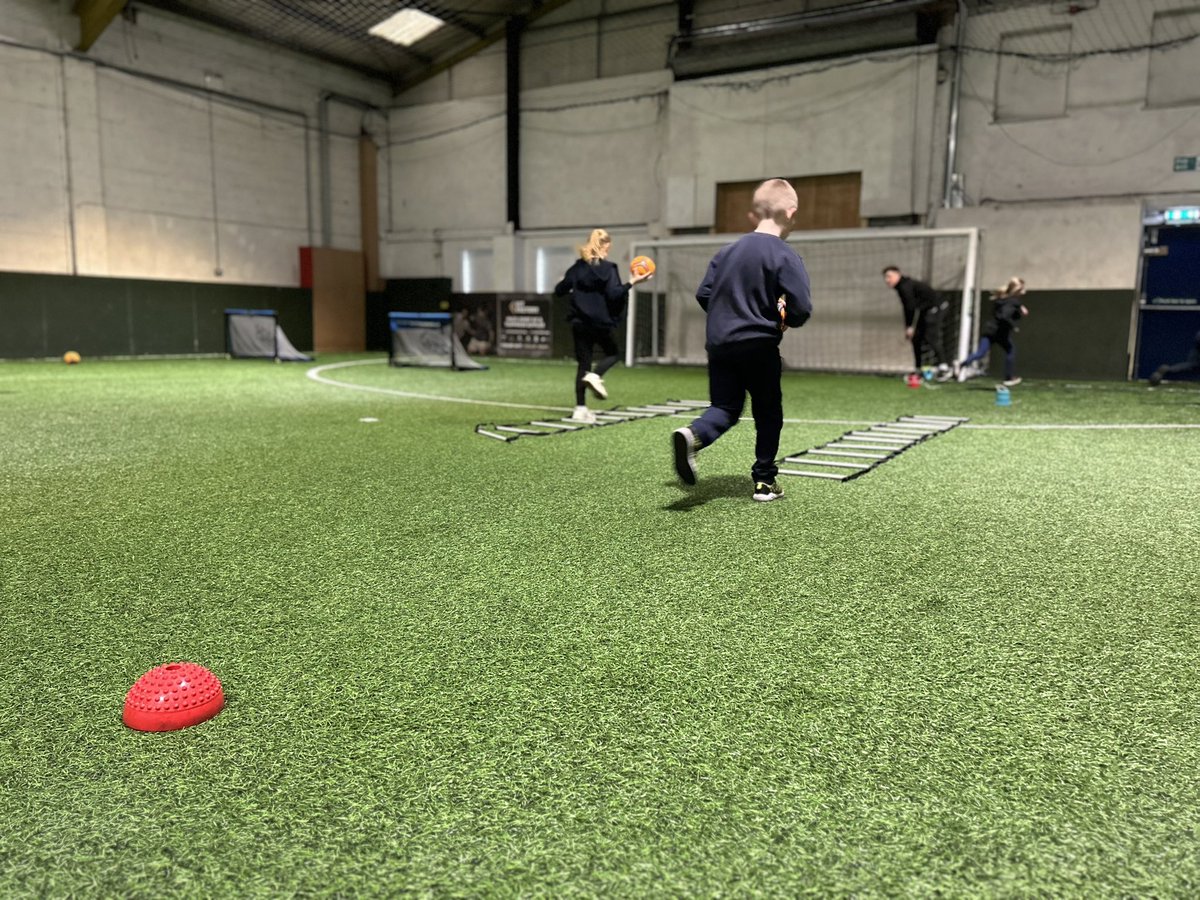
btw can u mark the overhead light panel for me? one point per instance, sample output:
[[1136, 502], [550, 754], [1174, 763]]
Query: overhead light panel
[[406, 27]]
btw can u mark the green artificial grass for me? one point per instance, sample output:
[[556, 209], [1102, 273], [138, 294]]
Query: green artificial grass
[[459, 667]]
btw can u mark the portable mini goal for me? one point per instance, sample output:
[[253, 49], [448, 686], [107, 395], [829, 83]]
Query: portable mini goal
[[256, 334], [427, 339]]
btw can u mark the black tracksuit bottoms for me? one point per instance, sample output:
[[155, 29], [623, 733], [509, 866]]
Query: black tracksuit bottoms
[[586, 337], [734, 370]]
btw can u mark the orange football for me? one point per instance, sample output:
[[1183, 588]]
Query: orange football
[[642, 265]]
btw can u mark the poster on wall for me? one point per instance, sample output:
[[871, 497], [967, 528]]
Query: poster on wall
[[474, 317], [525, 325]]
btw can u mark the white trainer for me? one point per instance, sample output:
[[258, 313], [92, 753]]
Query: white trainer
[[596, 383], [584, 415]]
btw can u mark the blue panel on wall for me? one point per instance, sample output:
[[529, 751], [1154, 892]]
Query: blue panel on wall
[[1172, 270], [1165, 335]]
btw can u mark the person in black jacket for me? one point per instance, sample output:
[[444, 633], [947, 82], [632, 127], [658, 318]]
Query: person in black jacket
[[924, 315], [754, 290], [1009, 309], [598, 301], [1190, 366]]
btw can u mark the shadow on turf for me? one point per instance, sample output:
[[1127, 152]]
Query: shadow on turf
[[711, 489]]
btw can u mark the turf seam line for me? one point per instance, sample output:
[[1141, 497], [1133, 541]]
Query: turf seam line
[[316, 374]]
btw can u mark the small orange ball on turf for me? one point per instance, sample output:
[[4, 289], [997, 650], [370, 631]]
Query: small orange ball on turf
[[642, 265], [72, 357]]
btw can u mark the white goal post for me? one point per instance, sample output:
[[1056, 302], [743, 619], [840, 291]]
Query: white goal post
[[857, 323]]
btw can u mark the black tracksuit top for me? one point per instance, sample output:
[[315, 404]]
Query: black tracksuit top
[[598, 298], [1004, 318], [916, 296]]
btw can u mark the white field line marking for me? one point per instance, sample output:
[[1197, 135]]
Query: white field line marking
[[1115, 426], [316, 374]]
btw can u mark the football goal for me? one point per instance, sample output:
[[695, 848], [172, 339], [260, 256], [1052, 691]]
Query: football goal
[[857, 323], [427, 339], [256, 334]]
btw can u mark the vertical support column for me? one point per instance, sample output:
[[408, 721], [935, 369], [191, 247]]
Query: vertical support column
[[952, 186], [324, 167], [368, 188], [507, 264], [85, 168], [512, 85], [687, 15]]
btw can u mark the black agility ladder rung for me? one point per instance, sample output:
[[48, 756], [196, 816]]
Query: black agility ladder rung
[[885, 440]]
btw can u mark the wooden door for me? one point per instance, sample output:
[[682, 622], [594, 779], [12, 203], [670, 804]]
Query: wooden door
[[825, 201], [339, 300]]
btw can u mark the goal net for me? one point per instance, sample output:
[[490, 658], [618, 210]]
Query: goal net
[[427, 339], [857, 323], [256, 334]]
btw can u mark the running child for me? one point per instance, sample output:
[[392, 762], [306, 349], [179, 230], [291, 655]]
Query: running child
[[1008, 310], [598, 301], [754, 289]]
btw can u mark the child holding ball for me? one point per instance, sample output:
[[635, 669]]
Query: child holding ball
[[598, 301]]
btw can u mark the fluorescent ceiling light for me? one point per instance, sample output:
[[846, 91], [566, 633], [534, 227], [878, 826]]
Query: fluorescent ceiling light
[[406, 27]]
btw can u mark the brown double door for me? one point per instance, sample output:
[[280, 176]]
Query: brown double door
[[825, 201]]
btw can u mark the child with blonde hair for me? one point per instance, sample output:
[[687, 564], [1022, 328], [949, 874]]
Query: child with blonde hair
[[754, 290], [598, 301], [1008, 310]]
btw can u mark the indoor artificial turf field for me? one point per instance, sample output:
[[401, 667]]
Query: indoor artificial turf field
[[460, 667]]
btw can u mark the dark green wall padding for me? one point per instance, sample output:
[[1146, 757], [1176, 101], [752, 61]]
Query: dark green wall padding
[[46, 315], [1071, 334], [403, 295]]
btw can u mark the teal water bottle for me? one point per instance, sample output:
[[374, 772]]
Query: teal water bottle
[[1003, 397]]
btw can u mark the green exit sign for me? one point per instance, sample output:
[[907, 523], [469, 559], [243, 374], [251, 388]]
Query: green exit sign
[[1185, 164]]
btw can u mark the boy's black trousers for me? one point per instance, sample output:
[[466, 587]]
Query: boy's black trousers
[[751, 367]]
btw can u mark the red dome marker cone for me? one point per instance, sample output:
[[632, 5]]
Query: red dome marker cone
[[173, 696]]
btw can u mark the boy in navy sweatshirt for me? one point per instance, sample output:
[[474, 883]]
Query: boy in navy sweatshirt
[[754, 290]]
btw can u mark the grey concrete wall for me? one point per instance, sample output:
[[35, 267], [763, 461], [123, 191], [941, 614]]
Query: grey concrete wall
[[110, 172], [1058, 156], [1035, 130], [593, 154], [873, 115], [1057, 245], [640, 150]]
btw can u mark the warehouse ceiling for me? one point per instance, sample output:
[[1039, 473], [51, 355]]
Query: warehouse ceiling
[[713, 35], [755, 35], [339, 32]]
